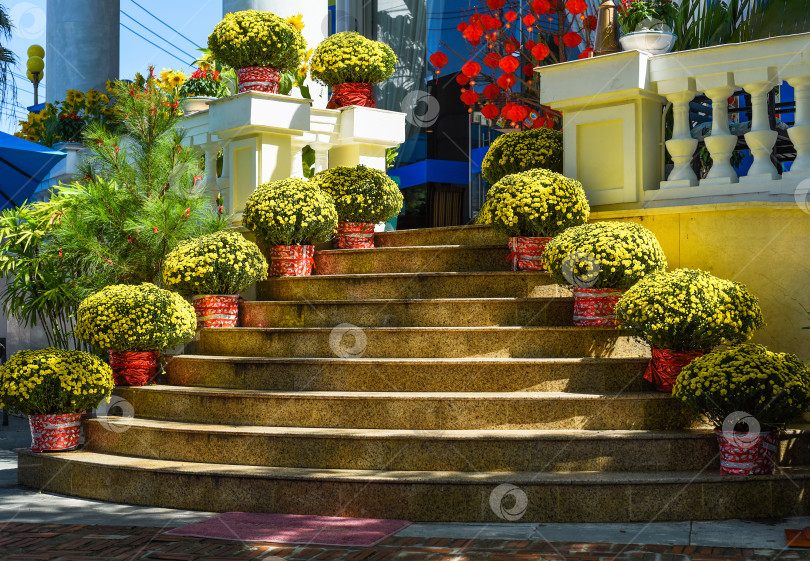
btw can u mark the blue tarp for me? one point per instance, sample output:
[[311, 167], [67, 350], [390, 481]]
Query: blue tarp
[[23, 166]]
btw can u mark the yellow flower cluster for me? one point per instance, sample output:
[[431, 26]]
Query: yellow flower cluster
[[219, 263], [361, 194], [348, 57], [773, 387], [609, 254], [135, 318], [64, 121], [537, 202], [290, 212], [54, 381], [255, 38], [171, 80], [521, 151], [687, 310]]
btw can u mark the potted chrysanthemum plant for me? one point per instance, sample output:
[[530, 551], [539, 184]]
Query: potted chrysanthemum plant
[[514, 152], [288, 217], [135, 323], [53, 387], [213, 269], [531, 207]]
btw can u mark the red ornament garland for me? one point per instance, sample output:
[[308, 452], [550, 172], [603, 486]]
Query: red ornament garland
[[216, 310], [134, 368], [355, 235], [55, 433], [525, 253], [352, 93], [290, 260]]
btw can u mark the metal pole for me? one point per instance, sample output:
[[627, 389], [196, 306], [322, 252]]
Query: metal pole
[[469, 168], [36, 87]]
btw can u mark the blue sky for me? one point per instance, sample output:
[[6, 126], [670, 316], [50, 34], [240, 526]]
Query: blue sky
[[194, 20]]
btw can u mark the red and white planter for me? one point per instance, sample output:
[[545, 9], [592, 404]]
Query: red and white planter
[[525, 253], [290, 260], [352, 93], [258, 79], [55, 433], [596, 306], [134, 368], [666, 365], [216, 310], [355, 235], [743, 453]]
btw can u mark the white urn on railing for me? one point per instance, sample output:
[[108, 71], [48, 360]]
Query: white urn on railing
[[653, 41]]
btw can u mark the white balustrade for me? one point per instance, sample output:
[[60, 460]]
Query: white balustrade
[[800, 132], [679, 92]]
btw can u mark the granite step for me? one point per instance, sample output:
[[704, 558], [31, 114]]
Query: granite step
[[421, 342], [413, 259], [450, 312], [405, 450], [627, 496], [409, 410], [493, 284], [448, 235], [579, 375]]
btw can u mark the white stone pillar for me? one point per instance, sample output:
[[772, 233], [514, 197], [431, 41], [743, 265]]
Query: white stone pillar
[[321, 157], [718, 88], [800, 132], [760, 138], [297, 166], [681, 146], [210, 178], [82, 45]]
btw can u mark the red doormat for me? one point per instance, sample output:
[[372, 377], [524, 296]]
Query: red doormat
[[293, 528]]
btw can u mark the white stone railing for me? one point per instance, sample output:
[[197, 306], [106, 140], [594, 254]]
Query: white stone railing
[[613, 122], [262, 137]]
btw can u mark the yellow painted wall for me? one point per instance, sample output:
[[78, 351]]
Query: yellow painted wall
[[762, 245]]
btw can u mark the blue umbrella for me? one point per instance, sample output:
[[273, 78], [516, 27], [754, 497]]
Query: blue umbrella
[[23, 166]]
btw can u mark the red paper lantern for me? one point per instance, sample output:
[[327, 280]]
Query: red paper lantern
[[509, 64], [585, 53], [541, 7], [528, 69], [489, 22], [529, 45], [539, 123], [506, 81], [438, 59], [519, 113], [529, 19], [510, 16], [541, 51], [490, 111], [491, 91], [492, 60], [462, 26], [590, 23], [576, 6], [462, 79], [511, 45], [469, 97], [473, 34], [471, 68], [572, 39], [495, 4]]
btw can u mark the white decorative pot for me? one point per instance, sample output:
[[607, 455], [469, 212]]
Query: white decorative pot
[[195, 104], [649, 41]]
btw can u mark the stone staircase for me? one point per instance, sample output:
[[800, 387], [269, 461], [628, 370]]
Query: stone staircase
[[410, 381]]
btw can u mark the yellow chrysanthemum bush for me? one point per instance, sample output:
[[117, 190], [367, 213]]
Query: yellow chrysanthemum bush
[[135, 318], [514, 152], [538, 202], [361, 194], [219, 263], [687, 310], [255, 38], [604, 255], [53, 381], [290, 212], [772, 387], [348, 57]]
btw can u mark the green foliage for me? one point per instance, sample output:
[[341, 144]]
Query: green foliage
[[514, 152], [8, 86], [361, 194], [290, 212], [705, 24], [348, 57], [218, 263], [255, 38], [135, 318], [54, 381], [140, 196], [308, 161], [773, 387], [537, 202], [636, 15]]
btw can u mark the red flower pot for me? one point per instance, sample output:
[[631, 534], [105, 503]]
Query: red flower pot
[[596, 306], [134, 368], [216, 310], [353, 93], [355, 235], [665, 366], [525, 253], [55, 433], [743, 453], [290, 260], [258, 79]]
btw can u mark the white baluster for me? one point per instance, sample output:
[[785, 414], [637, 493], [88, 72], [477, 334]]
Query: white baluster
[[321, 157], [298, 159], [800, 132], [210, 177], [681, 146], [760, 138], [224, 181], [721, 143]]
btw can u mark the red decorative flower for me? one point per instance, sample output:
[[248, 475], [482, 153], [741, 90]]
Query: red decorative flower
[[509, 64], [529, 19], [462, 79], [510, 16], [490, 111], [541, 51], [506, 81], [491, 91], [541, 7], [472, 68], [492, 60], [528, 69], [572, 39], [469, 97], [576, 6], [495, 4], [438, 59], [585, 53]]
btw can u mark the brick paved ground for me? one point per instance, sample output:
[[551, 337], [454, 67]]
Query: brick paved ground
[[58, 542]]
